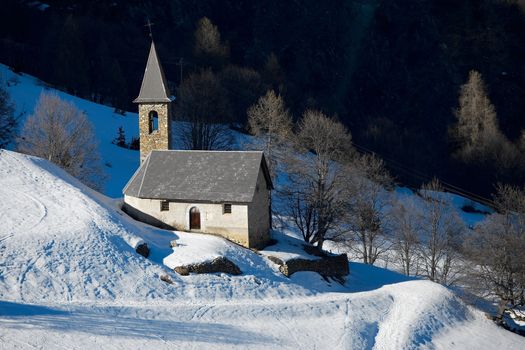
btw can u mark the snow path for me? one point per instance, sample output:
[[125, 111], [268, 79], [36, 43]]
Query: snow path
[[334, 321]]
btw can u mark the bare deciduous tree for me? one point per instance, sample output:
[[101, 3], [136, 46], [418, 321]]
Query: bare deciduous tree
[[203, 111], [198, 135], [243, 87], [405, 217], [441, 234], [367, 199], [496, 248], [59, 132], [270, 120], [316, 179]]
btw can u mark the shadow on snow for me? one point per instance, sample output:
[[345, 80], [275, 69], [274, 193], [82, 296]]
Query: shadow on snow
[[17, 315]]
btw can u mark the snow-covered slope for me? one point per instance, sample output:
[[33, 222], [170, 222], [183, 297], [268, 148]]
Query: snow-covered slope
[[59, 241], [64, 242], [119, 163], [69, 278]]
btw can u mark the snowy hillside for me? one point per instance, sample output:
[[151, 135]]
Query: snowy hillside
[[69, 278], [119, 163]]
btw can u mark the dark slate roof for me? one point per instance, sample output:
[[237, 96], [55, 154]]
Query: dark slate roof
[[154, 88], [209, 176]]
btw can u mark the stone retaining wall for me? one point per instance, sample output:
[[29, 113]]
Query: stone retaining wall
[[220, 264], [329, 266]]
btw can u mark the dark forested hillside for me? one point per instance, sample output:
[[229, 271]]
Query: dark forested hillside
[[391, 70]]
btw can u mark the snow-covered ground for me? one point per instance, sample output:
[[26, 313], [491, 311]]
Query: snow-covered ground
[[69, 278]]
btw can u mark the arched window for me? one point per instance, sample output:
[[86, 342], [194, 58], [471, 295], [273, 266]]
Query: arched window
[[195, 219], [153, 121]]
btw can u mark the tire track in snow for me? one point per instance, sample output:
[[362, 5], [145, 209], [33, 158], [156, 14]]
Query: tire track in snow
[[6, 237], [23, 274], [346, 325], [31, 211], [31, 263], [197, 315], [200, 311], [291, 332], [30, 221]]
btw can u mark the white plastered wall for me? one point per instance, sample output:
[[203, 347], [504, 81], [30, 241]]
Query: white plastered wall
[[233, 226]]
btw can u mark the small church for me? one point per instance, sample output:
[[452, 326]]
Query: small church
[[226, 193]]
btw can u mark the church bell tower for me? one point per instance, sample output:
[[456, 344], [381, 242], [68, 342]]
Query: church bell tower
[[154, 102]]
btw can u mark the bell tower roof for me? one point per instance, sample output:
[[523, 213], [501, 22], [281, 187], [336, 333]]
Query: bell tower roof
[[154, 88]]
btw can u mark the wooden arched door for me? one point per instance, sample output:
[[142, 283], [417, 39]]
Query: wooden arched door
[[195, 219]]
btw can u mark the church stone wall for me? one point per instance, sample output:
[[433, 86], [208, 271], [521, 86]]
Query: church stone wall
[[232, 226], [159, 139]]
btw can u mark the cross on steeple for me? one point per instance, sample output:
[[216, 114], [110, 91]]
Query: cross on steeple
[[149, 25]]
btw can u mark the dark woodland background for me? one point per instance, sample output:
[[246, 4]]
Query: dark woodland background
[[390, 70]]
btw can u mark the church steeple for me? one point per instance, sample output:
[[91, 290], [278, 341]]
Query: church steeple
[[154, 88], [154, 108]]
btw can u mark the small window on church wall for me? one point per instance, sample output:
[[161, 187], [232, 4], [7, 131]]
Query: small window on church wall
[[164, 206], [227, 208], [153, 121]]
